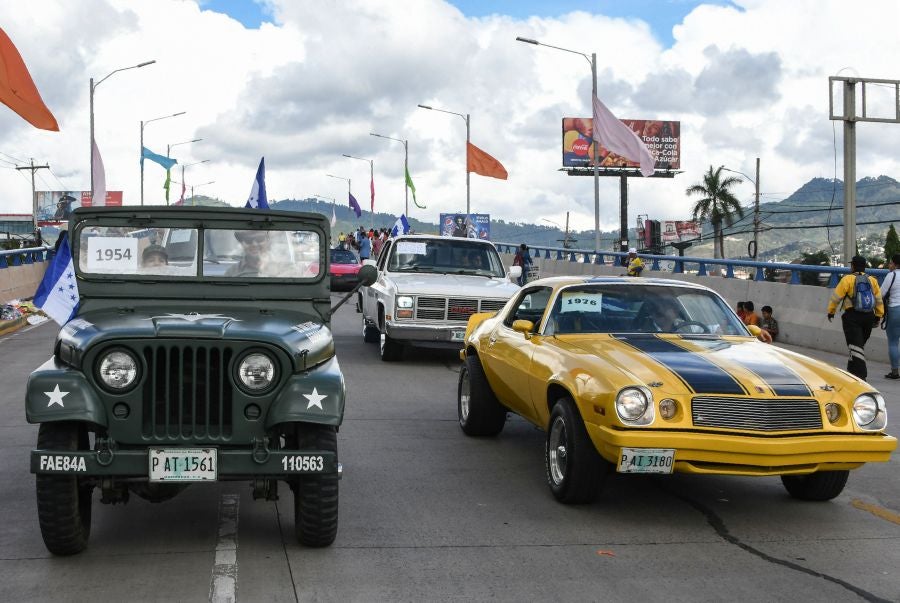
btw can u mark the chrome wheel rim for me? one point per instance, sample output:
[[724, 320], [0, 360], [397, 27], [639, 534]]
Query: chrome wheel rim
[[557, 453], [465, 396]]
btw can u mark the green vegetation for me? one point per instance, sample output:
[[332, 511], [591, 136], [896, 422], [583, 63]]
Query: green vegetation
[[716, 205]]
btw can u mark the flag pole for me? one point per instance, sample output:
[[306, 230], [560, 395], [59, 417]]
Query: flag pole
[[468, 197]]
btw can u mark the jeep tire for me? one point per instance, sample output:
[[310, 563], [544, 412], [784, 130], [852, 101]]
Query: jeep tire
[[575, 470], [63, 501], [479, 411], [819, 486], [316, 495]]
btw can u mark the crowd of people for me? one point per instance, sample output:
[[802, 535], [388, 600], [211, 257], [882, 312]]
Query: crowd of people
[[746, 311], [367, 243]]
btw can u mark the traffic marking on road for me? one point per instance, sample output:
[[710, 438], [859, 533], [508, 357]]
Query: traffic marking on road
[[876, 511], [223, 585]]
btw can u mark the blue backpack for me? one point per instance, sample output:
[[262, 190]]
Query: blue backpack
[[863, 297]]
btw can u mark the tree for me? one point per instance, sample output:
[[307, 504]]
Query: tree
[[818, 258], [717, 204], [891, 243]]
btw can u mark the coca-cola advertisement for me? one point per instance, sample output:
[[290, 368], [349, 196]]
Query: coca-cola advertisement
[[662, 138]]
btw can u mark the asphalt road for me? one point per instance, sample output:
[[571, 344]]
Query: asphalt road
[[427, 514]]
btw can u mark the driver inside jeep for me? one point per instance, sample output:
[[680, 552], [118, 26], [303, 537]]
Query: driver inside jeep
[[255, 246]]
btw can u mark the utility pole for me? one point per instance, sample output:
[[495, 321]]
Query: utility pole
[[756, 216], [34, 207], [850, 116]]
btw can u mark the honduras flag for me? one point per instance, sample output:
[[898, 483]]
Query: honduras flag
[[257, 198], [401, 226], [57, 295]]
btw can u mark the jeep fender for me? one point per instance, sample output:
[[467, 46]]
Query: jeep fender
[[56, 392], [314, 396]]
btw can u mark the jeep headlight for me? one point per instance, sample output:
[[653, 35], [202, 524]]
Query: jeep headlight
[[634, 405], [118, 370], [256, 372], [869, 412], [404, 301]]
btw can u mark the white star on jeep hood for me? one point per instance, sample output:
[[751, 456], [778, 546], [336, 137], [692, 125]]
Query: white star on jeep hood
[[315, 399], [56, 397]]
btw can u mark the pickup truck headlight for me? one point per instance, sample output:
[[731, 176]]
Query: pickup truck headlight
[[634, 405], [869, 412], [118, 370], [404, 301], [256, 373]]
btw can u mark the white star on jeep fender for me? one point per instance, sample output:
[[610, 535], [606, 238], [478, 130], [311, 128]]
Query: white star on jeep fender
[[56, 397], [315, 399]]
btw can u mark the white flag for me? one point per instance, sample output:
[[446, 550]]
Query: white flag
[[620, 139], [98, 175], [333, 216]]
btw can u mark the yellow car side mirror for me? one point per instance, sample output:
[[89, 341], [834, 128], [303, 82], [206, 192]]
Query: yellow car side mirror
[[523, 326]]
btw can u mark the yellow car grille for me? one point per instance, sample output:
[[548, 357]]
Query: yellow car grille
[[756, 414]]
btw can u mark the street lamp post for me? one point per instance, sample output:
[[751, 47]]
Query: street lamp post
[[405, 167], [144, 123], [183, 167], [623, 226], [371, 182], [755, 206], [468, 128], [93, 87], [198, 186], [169, 151], [342, 178]]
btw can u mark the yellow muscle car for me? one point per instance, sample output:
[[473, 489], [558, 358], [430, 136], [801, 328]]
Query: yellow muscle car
[[660, 376]]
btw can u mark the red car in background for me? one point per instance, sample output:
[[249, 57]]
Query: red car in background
[[344, 269]]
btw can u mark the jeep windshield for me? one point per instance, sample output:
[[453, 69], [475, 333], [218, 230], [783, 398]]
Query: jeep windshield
[[445, 256], [198, 252]]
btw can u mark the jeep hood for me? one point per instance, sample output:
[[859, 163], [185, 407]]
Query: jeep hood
[[301, 336]]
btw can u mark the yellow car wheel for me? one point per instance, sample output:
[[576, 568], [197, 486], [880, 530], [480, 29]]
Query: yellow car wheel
[[819, 486], [479, 411], [575, 471]]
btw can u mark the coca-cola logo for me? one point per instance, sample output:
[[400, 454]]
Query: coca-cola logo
[[580, 147]]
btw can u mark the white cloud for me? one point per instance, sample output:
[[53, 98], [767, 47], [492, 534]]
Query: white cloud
[[746, 81]]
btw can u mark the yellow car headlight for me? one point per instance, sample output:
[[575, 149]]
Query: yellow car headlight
[[869, 412], [634, 405]]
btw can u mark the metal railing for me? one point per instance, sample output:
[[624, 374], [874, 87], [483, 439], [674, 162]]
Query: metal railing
[[700, 266], [20, 257]]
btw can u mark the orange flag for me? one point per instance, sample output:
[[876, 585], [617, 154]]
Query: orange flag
[[481, 163], [17, 89]]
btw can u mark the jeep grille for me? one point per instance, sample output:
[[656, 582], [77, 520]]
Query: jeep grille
[[187, 392], [456, 309]]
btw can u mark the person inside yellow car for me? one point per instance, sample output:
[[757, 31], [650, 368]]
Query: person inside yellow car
[[635, 264], [860, 298]]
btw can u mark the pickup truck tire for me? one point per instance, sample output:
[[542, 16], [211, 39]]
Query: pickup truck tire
[[370, 332], [316, 495], [479, 411], [63, 501], [574, 469], [390, 348], [819, 486]]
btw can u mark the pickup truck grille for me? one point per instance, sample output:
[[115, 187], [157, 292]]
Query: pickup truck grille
[[456, 309], [756, 414], [188, 392]]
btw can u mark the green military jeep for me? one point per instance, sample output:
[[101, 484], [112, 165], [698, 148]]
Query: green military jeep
[[200, 351]]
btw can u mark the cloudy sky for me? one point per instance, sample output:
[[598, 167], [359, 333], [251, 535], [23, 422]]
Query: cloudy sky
[[301, 82]]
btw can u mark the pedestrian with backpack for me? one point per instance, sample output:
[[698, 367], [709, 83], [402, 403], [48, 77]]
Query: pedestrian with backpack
[[859, 296]]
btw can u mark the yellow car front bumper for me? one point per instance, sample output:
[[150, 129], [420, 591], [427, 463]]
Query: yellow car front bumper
[[725, 454]]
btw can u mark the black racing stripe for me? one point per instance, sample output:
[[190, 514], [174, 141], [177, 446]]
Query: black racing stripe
[[780, 379], [697, 372]]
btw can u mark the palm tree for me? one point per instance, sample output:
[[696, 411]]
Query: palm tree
[[717, 205]]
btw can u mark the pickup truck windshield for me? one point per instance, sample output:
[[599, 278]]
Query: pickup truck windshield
[[445, 256], [174, 252]]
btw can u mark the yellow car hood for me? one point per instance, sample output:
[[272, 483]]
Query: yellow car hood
[[740, 366]]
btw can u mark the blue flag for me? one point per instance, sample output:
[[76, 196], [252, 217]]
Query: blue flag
[[57, 295], [401, 226], [257, 198], [166, 162], [354, 205]]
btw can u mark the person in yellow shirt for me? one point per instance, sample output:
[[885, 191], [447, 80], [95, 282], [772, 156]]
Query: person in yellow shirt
[[635, 264], [857, 321]]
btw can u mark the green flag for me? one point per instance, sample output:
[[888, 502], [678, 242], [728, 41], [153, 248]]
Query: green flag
[[168, 184], [412, 187]]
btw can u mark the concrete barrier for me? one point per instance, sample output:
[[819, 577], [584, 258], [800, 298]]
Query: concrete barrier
[[799, 309], [17, 282]]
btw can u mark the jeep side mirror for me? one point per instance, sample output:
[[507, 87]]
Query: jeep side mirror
[[368, 274]]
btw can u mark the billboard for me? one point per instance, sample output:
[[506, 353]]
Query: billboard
[[663, 140], [56, 206], [675, 232], [471, 226]]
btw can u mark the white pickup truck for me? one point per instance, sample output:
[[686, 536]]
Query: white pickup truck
[[427, 288]]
